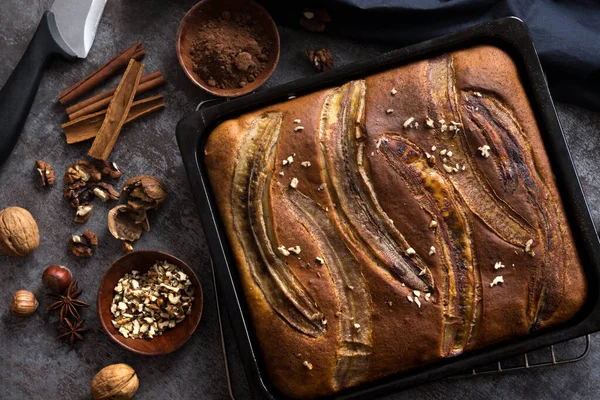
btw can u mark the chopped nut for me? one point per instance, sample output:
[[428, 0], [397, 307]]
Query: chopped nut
[[433, 223], [294, 183], [429, 123], [449, 153], [389, 111], [46, 172], [305, 164], [283, 251], [447, 168], [281, 173], [499, 265], [432, 250], [320, 260], [308, 365], [477, 94], [298, 128], [322, 186], [417, 293], [357, 326], [444, 127], [433, 148], [297, 121], [427, 296], [393, 91], [410, 299], [485, 150], [528, 248], [295, 249], [497, 280], [418, 302], [443, 152], [410, 251], [145, 305], [83, 214], [408, 122]]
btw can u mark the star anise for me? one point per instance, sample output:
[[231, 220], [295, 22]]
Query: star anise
[[69, 303], [73, 331]]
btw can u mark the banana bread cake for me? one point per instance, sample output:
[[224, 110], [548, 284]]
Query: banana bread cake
[[394, 221]]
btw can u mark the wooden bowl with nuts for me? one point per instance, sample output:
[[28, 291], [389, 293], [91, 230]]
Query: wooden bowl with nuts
[[149, 302]]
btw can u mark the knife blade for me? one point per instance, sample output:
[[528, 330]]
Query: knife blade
[[67, 29]]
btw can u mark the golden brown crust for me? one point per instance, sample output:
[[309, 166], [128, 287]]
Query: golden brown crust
[[397, 334]]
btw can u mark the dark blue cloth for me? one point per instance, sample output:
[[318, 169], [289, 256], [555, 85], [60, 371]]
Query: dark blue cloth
[[566, 33]]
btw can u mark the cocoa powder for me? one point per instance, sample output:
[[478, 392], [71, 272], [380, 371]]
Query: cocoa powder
[[230, 51]]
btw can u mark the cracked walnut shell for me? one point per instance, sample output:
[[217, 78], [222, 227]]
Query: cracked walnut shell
[[115, 382], [19, 234], [126, 223], [145, 192]]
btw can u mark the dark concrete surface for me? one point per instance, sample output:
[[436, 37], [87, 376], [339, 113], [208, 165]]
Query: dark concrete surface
[[33, 365]]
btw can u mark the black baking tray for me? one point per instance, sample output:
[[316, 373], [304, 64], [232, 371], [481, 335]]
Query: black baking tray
[[510, 34]]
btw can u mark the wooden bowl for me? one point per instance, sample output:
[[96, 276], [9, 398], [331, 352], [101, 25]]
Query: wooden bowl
[[172, 338], [206, 10]]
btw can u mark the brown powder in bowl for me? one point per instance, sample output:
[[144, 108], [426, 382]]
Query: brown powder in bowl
[[230, 51]]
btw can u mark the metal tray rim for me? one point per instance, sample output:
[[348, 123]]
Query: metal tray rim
[[192, 130]]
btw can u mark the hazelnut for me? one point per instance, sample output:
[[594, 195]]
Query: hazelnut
[[117, 382], [19, 234], [57, 278], [23, 303], [145, 192]]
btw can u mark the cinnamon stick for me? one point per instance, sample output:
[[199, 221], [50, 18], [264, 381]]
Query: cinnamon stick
[[108, 70], [117, 111], [87, 126], [100, 101]]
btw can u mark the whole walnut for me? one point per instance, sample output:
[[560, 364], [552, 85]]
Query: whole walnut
[[115, 382], [19, 234], [145, 192]]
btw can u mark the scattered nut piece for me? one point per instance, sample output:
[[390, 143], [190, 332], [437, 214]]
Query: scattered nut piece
[[308, 365], [408, 122], [305, 164], [320, 260], [449, 153], [499, 265], [321, 60], [393, 91], [297, 121], [528, 248], [82, 246], [389, 111], [46, 172], [283, 251], [410, 251], [298, 128], [83, 214], [443, 152], [410, 299], [485, 150], [417, 293], [433, 223], [477, 94], [433, 148], [497, 280], [294, 183], [427, 296], [447, 168], [418, 302], [295, 249], [429, 123], [444, 127], [432, 250]]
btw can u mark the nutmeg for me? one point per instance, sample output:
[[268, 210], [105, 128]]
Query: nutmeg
[[23, 303], [57, 278], [19, 234], [115, 382]]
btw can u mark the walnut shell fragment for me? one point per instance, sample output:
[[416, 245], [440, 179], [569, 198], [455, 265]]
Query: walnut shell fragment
[[145, 192], [126, 223], [117, 381], [82, 246], [19, 233], [46, 172]]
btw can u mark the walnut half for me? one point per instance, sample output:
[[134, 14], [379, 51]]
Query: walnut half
[[46, 172], [82, 246]]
